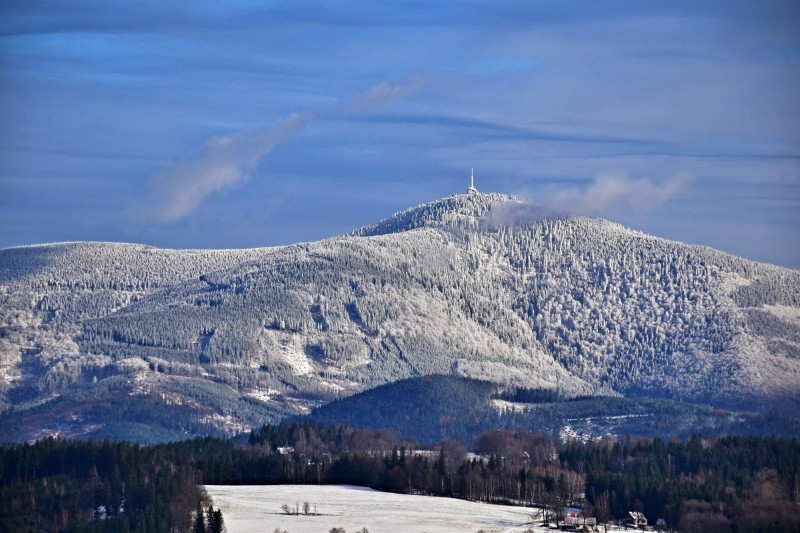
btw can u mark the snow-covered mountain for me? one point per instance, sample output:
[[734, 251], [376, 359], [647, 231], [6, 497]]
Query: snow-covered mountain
[[476, 285]]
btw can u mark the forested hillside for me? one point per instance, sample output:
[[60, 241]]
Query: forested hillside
[[480, 286], [434, 408]]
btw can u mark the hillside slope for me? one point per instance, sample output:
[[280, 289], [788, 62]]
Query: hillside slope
[[480, 286], [435, 408]]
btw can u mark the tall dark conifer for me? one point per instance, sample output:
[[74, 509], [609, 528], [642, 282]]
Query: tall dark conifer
[[199, 520]]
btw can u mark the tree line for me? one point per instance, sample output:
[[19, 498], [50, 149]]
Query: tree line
[[701, 484], [736, 483], [92, 487]]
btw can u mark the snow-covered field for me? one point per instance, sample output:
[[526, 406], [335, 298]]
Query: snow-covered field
[[258, 509]]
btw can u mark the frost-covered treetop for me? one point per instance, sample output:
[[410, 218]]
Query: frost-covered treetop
[[460, 210], [106, 264]]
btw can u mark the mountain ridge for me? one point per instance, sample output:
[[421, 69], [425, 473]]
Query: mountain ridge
[[485, 286]]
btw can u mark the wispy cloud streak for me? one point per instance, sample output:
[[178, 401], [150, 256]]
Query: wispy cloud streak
[[225, 162], [230, 160], [379, 96], [615, 192]]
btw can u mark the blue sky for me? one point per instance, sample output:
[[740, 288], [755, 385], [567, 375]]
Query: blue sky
[[238, 124]]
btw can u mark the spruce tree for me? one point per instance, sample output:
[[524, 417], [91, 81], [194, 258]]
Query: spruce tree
[[199, 520]]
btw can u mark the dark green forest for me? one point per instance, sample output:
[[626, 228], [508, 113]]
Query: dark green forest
[[699, 484], [77, 486], [437, 407]]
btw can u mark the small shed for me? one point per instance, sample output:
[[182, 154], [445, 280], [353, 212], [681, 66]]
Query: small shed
[[575, 519], [637, 519]]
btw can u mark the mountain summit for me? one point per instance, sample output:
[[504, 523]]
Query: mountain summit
[[461, 210], [95, 335]]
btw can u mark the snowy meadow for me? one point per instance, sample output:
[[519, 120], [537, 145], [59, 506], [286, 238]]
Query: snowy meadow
[[259, 509]]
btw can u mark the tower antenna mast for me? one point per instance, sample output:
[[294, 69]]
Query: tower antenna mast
[[472, 190]]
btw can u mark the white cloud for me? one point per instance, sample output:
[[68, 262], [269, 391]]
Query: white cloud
[[230, 160], [225, 162], [381, 95], [616, 193]]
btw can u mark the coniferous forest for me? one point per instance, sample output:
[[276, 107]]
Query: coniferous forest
[[584, 328], [65, 485], [701, 484], [480, 286]]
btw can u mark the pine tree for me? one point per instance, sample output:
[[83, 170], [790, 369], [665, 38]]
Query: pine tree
[[214, 520], [199, 520]]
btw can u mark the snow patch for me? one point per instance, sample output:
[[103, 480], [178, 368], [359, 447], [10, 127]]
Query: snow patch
[[503, 406], [732, 281], [293, 353], [262, 395], [593, 428], [332, 386], [792, 314]]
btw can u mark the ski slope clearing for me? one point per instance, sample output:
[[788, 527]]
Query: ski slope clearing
[[258, 509]]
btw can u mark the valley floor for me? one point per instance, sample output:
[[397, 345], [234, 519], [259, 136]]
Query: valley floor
[[258, 509]]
